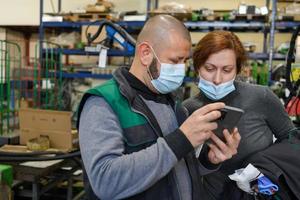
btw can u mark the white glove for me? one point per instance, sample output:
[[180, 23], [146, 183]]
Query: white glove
[[244, 176]]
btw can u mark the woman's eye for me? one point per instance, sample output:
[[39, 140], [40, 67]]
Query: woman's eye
[[227, 70], [209, 69]]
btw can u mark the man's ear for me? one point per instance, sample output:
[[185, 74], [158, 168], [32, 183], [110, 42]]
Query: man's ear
[[145, 54]]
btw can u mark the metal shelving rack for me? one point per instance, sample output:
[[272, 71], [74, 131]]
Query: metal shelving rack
[[77, 25], [267, 29]]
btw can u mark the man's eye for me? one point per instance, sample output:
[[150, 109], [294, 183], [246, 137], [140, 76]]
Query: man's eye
[[173, 61]]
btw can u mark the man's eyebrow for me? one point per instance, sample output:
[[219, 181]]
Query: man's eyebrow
[[181, 57]]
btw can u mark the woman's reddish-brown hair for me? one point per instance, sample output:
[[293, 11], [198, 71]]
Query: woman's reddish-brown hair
[[216, 41]]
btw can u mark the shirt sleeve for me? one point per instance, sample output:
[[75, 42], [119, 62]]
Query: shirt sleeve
[[112, 174]]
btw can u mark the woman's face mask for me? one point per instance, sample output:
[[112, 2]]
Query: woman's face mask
[[217, 74], [216, 92]]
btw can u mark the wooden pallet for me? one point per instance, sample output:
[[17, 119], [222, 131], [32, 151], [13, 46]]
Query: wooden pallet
[[249, 17], [75, 17], [179, 16]]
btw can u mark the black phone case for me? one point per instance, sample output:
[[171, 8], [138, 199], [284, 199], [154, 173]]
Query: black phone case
[[229, 119]]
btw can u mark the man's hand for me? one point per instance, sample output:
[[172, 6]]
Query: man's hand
[[198, 127], [220, 151]]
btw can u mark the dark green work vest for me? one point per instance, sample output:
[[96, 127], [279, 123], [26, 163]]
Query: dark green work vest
[[137, 132]]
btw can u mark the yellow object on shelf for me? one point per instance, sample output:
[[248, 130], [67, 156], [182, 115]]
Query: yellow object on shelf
[[295, 71]]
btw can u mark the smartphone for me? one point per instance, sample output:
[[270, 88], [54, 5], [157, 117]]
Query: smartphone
[[229, 119]]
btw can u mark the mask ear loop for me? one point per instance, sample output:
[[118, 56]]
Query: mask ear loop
[[148, 71], [154, 53], [150, 75]]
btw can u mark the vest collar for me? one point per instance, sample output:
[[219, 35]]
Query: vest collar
[[130, 87]]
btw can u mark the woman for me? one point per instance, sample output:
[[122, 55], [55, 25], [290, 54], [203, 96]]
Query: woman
[[218, 58]]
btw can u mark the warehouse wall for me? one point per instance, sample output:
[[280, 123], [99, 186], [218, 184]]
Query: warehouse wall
[[19, 12]]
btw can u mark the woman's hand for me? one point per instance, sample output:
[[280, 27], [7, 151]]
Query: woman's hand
[[220, 151]]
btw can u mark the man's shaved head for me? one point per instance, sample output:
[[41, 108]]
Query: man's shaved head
[[163, 40], [159, 29]]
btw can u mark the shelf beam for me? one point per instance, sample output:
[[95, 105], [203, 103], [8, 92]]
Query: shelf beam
[[80, 52], [272, 36], [222, 24], [116, 52], [189, 24]]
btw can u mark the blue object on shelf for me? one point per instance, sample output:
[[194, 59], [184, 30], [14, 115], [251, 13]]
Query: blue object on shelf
[[113, 34]]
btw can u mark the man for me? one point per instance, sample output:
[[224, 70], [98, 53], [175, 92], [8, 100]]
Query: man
[[133, 140]]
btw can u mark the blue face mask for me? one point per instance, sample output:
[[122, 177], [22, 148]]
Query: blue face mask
[[215, 92], [170, 77]]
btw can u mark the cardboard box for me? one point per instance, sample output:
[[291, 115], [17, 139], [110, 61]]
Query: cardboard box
[[55, 124]]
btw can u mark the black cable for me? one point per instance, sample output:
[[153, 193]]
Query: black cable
[[88, 36], [35, 153], [289, 60], [128, 38], [77, 160], [296, 109], [44, 158]]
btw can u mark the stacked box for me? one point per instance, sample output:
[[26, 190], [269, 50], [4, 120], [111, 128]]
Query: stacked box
[[54, 124]]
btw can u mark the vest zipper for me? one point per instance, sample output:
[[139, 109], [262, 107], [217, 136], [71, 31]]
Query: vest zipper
[[139, 112]]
